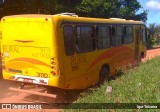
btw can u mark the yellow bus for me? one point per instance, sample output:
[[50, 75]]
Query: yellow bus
[[0, 56], [66, 51]]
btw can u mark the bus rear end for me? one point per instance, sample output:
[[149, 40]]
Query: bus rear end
[[0, 55], [28, 52]]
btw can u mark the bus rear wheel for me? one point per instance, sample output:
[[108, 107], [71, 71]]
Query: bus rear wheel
[[103, 75]]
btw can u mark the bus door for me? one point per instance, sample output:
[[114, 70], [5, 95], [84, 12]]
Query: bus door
[[137, 41]]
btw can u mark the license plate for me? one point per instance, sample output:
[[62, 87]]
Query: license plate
[[28, 80]]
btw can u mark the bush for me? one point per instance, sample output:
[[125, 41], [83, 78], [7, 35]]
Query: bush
[[152, 42]]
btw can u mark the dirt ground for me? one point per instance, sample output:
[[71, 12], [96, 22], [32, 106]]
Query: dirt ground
[[151, 53], [7, 96]]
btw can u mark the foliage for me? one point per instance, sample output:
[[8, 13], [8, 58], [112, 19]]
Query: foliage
[[91, 8], [154, 29], [10, 7], [129, 8], [98, 8], [151, 42], [111, 8]]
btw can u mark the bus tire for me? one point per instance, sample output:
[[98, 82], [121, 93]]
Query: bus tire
[[141, 56], [103, 75]]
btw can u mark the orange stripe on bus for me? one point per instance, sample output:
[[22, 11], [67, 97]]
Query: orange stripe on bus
[[30, 60], [110, 54]]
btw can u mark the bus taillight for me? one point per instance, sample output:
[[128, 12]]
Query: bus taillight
[[53, 73], [2, 61], [3, 67], [53, 63], [53, 68]]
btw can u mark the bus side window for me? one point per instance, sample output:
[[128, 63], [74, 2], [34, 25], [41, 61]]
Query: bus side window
[[94, 39], [69, 40], [113, 32], [103, 37], [85, 40], [117, 33], [127, 35], [144, 36], [78, 42]]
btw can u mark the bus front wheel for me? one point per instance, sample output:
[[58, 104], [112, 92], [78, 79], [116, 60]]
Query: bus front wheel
[[103, 75]]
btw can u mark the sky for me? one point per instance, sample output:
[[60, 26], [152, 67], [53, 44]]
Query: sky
[[154, 10]]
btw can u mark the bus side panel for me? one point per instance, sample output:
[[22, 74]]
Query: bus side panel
[[0, 53], [87, 73], [82, 70]]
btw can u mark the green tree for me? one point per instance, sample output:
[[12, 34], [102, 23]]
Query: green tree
[[10, 7], [90, 8], [111, 8], [154, 29], [129, 9], [98, 8]]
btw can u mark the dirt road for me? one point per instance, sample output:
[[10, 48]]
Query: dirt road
[[152, 53], [7, 96]]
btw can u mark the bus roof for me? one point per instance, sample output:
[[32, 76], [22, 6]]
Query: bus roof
[[27, 15], [99, 20], [68, 18]]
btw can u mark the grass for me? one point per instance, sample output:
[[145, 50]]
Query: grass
[[138, 85]]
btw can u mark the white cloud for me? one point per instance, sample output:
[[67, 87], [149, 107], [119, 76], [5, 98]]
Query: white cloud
[[153, 4]]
